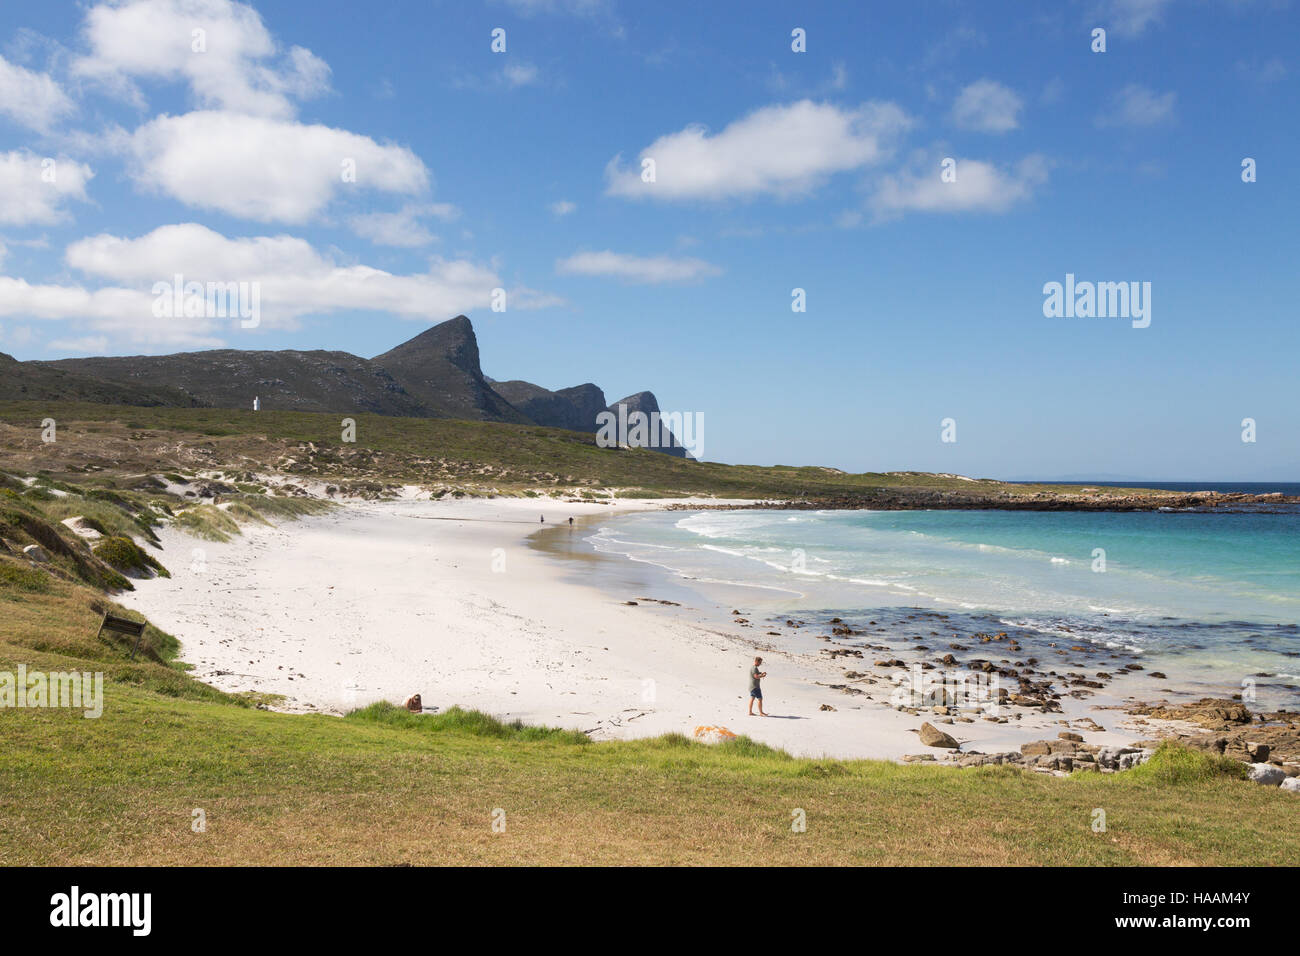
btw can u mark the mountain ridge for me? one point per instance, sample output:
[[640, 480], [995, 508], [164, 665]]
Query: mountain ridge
[[435, 374]]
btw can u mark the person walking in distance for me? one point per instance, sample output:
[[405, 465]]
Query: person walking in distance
[[756, 688]]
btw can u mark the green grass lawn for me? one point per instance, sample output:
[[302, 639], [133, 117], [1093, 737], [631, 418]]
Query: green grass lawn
[[384, 788]]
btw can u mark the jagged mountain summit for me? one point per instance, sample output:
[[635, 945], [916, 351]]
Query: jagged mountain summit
[[581, 408], [646, 405], [436, 374], [440, 369], [573, 408]]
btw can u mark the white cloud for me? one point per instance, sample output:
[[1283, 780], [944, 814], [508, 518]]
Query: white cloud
[[296, 278], [1130, 18], [195, 251], [987, 106], [979, 187], [642, 270], [34, 189], [402, 228], [86, 345], [238, 68], [1138, 106], [563, 207], [31, 99], [264, 169], [781, 150], [293, 279], [128, 312], [519, 74]]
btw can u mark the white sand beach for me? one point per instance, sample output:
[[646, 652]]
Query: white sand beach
[[381, 600]]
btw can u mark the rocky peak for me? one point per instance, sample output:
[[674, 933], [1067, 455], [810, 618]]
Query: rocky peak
[[453, 341], [440, 367]]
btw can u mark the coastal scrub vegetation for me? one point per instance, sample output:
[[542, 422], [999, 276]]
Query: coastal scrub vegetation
[[457, 456]]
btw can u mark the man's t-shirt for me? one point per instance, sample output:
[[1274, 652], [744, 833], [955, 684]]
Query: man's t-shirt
[[753, 677]]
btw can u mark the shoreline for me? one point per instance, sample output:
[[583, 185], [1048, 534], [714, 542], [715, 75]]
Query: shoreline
[[1108, 650], [375, 601]]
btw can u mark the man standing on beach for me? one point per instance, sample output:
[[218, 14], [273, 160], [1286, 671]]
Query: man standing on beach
[[755, 689]]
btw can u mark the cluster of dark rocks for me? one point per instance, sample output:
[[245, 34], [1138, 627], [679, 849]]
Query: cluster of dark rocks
[[1268, 743], [1066, 754]]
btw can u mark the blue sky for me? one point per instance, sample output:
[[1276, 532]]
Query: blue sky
[[775, 170]]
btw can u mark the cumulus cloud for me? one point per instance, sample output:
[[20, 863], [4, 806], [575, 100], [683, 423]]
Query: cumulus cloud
[[640, 270], [783, 150], [987, 106], [86, 345], [979, 187], [35, 189], [265, 169], [296, 278], [293, 278], [127, 312], [1136, 105], [404, 227], [563, 207], [220, 48], [241, 152], [31, 99]]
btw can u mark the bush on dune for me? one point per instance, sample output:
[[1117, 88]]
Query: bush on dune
[[24, 579], [108, 519], [465, 721], [207, 522], [122, 554], [1175, 765]]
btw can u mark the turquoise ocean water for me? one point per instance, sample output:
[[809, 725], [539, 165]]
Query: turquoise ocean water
[[1211, 598]]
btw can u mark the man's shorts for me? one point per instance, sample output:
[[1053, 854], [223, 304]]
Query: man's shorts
[[756, 692]]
